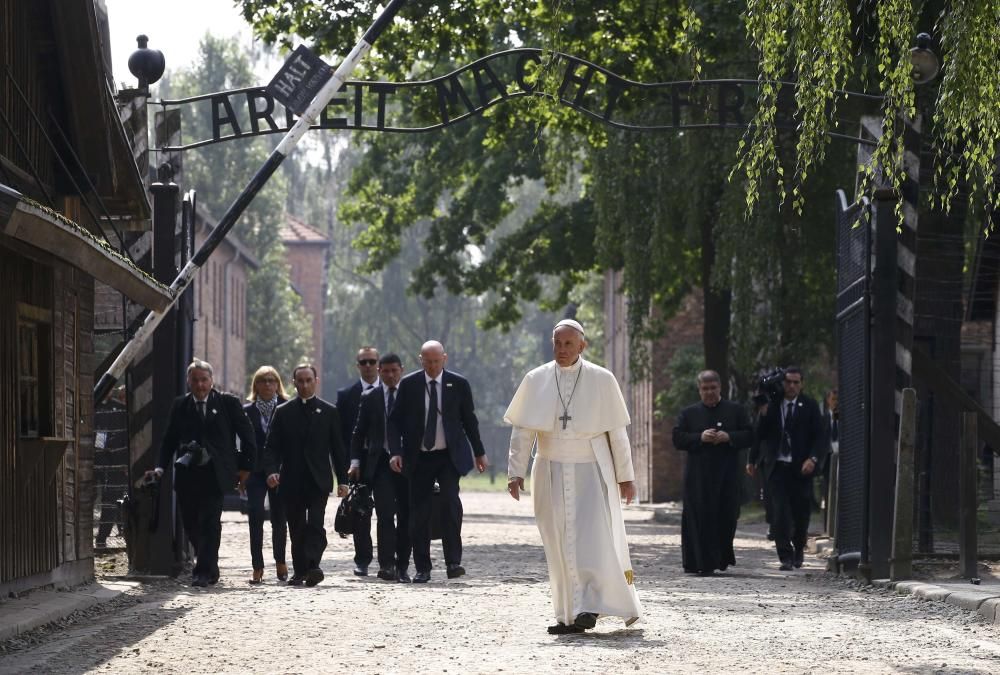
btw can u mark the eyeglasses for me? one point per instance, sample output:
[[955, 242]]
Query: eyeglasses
[[367, 362]]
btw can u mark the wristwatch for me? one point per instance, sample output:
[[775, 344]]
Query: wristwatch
[[814, 460]]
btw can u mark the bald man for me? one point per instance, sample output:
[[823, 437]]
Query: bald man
[[435, 417]]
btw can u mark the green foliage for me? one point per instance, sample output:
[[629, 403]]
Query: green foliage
[[809, 41], [682, 371]]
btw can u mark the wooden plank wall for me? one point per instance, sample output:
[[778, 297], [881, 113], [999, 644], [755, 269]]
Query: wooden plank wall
[[20, 25], [47, 520]]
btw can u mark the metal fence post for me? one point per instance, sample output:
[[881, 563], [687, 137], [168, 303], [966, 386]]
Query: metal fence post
[[968, 496], [901, 563]]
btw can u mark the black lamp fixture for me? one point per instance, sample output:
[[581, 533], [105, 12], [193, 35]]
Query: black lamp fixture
[[926, 65], [146, 64]]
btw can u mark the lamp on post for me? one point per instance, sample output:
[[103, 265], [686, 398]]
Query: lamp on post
[[926, 65]]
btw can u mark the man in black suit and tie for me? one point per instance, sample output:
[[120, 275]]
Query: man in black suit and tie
[[202, 432], [370, 464], [435, 418], [790, 449], [303, 443], [348, 402]]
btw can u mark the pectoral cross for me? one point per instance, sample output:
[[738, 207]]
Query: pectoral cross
[[565, 417]]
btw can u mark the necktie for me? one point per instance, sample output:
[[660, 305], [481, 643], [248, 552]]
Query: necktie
[[430, 429], [201, 409], [392, 401], [790, 409]]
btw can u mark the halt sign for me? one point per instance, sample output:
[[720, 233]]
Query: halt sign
[[299, 80]]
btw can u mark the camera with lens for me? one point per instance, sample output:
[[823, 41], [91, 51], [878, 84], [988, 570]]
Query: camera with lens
[[769, 387], [192, 454]]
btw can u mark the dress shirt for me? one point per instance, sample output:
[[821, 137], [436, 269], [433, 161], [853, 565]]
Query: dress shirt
[[784, 450], [439, 440]]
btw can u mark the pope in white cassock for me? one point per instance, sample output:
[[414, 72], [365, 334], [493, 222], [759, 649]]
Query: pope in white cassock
[[575, 412]]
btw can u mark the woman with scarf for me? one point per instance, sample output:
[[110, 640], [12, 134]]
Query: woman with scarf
[[266, 393]]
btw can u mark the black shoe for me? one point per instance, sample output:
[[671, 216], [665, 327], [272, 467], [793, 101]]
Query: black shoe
[[387, 574], [585, 620], [770, 537], [706, 573], [563, 629], [799, 559], [361, 570], [785, 566], [200, 581], [314, 576], [214, 579], [455, 571], [422, 577], [403, 577], [297, 580]]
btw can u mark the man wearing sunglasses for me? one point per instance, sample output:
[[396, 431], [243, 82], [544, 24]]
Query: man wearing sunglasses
[[348, 403]]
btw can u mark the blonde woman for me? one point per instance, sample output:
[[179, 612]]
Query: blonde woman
[[266, 393]]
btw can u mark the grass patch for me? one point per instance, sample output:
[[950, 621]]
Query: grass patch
[[480, 482]]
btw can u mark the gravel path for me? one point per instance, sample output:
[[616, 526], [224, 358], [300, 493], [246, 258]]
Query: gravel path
[[752, 619]]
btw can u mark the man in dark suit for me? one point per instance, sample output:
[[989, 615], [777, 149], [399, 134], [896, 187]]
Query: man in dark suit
[[303, 442], [790, 449], [202, 432], [370, 464], [348, 402], [435, 419]]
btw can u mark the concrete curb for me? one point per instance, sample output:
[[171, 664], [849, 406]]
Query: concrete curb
[[986, 603], [38, 608]]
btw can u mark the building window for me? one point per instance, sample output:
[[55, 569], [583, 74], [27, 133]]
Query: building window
[[34, 373]]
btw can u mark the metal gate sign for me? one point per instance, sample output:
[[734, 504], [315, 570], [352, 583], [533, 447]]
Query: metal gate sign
[[299, 80]]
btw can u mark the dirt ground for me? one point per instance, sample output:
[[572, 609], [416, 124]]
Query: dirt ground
[[751, 619]]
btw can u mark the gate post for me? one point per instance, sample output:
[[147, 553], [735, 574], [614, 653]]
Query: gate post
[[901, 566], [968, 487], [879, 467]]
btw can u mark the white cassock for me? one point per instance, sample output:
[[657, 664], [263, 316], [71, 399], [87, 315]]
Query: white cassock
[[575, 484]]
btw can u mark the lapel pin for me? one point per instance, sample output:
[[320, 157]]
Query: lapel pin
[[214, 411], [447, 384], [718, 424], [317, 411]]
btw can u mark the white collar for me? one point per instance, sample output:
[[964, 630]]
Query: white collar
[[428, 379], [365, 385], [306, 400], [573, 368]]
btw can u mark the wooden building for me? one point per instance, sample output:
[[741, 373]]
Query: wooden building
[[68, 182]]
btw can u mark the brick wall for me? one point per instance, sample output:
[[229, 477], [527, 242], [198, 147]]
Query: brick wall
[[307, 263], [220, 314], [659, 467]]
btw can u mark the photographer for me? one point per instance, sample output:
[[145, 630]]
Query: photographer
[[202, 434], [790, 448]]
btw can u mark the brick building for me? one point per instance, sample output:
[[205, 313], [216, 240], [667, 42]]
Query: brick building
[[659, 467], [308, 253], [220, 308]]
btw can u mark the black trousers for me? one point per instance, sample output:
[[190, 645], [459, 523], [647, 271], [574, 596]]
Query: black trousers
[[256, 491], [200, 502], [431, 466], [305, 525], [791, 503], [392, 510]]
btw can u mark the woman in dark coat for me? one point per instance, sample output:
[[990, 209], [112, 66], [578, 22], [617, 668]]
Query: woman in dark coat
[[266, 393]]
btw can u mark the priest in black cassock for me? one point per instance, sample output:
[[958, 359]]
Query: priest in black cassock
[[712, 432]]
